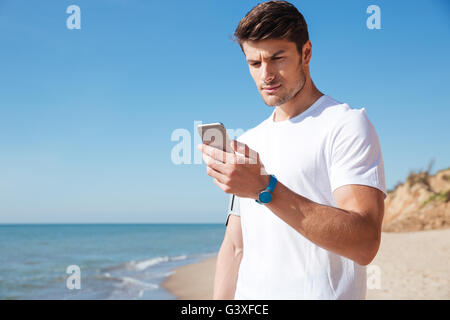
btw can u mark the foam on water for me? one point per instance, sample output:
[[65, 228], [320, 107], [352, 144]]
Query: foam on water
[[130, 288], [142, 265]]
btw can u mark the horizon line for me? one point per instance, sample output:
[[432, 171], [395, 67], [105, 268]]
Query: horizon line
[[100, 223]]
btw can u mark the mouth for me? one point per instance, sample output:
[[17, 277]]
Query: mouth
[[271, 89]]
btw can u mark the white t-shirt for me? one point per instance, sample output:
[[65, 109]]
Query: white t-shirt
[[326, 146]]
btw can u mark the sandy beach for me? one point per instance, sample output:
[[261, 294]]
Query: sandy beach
[[410, 265]]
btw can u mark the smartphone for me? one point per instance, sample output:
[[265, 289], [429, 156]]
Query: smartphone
[[215, 135]]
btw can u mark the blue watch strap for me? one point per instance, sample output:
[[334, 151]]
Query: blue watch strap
[[272, 183]]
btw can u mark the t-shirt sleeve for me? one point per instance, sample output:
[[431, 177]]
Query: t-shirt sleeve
[[233, 207], [356, 153]]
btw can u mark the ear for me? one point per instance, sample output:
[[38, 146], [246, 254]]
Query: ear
[[306, 53]]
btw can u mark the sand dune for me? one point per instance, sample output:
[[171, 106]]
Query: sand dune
[[422, 202]]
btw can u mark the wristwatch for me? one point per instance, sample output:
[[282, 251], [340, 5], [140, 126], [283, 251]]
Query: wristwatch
[[265, 196]]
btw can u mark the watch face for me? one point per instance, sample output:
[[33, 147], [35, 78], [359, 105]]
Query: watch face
[[265, 197]]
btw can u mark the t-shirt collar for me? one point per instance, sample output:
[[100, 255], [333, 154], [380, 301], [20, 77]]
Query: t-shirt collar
[[298, 117]]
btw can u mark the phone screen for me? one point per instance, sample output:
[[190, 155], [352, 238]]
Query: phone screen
[[215, 135]]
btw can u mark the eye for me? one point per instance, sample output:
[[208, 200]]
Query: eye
[[255, 64]]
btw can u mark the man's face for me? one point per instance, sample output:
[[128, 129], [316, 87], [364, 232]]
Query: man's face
[[276, 68]]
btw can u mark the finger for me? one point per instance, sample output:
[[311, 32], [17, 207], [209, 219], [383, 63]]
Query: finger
[[222, 186], [216, 175], [244, 149], [217, 154], [213, 163]]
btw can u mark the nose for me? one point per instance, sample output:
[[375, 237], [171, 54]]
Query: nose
[[267, 74]]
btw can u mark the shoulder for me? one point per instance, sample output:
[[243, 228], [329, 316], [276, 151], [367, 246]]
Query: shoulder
[[343, 118], [331, 113], [333, 110], [353, 122]]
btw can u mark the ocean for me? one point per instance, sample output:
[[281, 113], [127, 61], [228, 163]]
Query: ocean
[[115, 261]]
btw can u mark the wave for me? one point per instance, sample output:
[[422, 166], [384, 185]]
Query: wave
[[131, 288], [134, 265], [142, 265], [129, 280]]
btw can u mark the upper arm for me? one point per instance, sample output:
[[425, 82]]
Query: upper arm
[[364, 200]]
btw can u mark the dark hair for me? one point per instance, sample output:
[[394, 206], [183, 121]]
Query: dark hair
[[273, 20]]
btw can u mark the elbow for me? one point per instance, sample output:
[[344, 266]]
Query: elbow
[[368, 252], [364, 261], [238, 252], [369, 245]]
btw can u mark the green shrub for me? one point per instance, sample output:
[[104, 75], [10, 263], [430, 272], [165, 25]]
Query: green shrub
[[441, 197]]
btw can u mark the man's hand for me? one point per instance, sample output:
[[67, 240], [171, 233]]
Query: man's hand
[[241, 173]]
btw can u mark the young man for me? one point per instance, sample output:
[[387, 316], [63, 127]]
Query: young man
[[307, 228]]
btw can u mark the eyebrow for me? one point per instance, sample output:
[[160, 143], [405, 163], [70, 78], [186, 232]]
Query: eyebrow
[[275, 54]]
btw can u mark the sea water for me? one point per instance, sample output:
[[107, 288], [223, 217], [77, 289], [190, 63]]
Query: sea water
[[116, 261]]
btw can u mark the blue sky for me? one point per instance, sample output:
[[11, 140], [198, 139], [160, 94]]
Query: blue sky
[[86, 116]]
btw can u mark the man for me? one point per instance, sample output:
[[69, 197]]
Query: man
[[307, 228]]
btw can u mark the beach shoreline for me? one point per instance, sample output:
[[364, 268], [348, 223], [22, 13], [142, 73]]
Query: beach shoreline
[[193, 281], [411, 265]]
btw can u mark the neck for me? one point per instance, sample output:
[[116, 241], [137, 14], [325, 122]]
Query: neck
[[302, 101]]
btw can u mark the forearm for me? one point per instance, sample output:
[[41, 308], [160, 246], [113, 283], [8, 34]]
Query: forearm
[[347, 233], [227, 268]]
